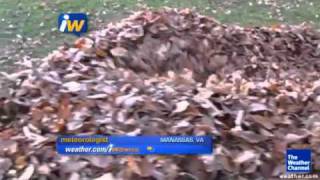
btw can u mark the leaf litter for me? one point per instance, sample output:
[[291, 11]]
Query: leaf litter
[[168, 72]]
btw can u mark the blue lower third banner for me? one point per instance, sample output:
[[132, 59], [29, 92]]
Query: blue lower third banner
[[129, 145]]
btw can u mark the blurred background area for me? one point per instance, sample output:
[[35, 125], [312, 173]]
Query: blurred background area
[[28, 28]]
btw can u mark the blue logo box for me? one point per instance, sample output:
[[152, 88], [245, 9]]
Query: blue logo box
[[76, 23], [298, 161]]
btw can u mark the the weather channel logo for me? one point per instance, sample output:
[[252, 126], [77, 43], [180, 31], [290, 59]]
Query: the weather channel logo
[[298, 161], [76, 23]]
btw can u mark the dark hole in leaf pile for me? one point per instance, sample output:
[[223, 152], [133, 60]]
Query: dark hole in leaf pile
[[168, 72]]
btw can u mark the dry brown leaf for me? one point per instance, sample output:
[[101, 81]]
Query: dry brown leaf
[[249, 136], [36, 114], [133, 165], [83, 43], [181, 106], [101, 53], [74, 86], [27, 173], [245, 156], [21, 162], [265, 121], [119, 52], [107, 176]]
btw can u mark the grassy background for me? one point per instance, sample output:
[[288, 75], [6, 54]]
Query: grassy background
[[28, 28]]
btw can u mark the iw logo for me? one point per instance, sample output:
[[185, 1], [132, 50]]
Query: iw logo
[[75, 23]]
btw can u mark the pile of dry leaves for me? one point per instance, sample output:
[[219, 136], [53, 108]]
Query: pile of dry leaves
[[168, 72]]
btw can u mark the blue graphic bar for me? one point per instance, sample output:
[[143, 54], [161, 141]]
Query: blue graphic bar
[[133, 145]]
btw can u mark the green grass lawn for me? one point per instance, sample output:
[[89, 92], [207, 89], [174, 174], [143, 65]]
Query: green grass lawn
[[29, 27]]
